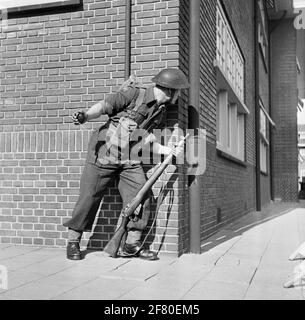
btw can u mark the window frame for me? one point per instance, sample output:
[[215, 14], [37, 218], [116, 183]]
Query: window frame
[[21, 5], [262, 33], [230, 127], [229, 57], [230, 77], [264, 125]]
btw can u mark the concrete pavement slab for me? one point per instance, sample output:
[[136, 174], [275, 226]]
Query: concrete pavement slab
[[173, 281], [149, 293], [101, 261], [208, 257], [28, 259], [99, 289], [223, 243], [216, 290], [19, 278], [272, 275], [232, 274], [244, 254], [73, 276], [258, 291], [50, 266], [37, 290], [14, 251], [258, 233], [138, 269], [238, 261], [249, 247], [178, 276], [3, 246], [99, 267], [272, 262]]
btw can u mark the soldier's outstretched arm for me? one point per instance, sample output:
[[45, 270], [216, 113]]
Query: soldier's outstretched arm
[[97, 110], [113, 104]]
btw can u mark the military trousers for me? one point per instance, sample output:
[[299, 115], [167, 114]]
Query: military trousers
[[94, 182]]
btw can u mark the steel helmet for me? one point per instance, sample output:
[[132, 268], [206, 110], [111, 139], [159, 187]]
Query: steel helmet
[[171, 78]]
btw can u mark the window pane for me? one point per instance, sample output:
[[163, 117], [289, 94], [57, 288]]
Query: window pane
[[263, 124], [230, 127], [263, 156]]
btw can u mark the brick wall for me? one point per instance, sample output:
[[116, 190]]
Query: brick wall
[[184, 20], [227, 187], [52, 64], [284, 100]]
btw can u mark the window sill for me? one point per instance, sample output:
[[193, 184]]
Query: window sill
[[223, 83], [229, 157], [264, 139], [264, 173]]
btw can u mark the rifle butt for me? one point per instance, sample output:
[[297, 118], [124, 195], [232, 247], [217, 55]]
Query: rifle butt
[[113, 245]]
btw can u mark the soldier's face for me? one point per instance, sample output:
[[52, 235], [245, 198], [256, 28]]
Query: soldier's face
[[172, 95], [175, 95]]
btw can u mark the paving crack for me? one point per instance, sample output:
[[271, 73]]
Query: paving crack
[[215, 263], [258, 265], [119, 266], [35, 280], [75, 287], [20, 255]]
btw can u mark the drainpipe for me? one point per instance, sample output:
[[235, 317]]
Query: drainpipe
[[128, 38], [193, 121], [257, 110]]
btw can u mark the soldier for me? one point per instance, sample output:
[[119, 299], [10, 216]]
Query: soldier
[[135, 105]]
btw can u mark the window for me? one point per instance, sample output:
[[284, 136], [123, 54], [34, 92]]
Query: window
[[262, 13], [230, 127], [265, 123], [270, 4], [20, 5], [303, 174], [262, 32], [298, 65], [231, 109], [264, 142], [228, 56], [302, 155]]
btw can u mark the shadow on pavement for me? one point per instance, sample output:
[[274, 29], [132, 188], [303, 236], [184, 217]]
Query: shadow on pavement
[[247, 222]]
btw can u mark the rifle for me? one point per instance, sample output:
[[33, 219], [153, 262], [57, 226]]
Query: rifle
[[113, 245]]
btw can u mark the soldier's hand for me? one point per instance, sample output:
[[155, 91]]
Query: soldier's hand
[[178, 151], [79, 117]]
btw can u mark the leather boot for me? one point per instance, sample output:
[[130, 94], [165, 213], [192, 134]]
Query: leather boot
[[135, 250], [73, 251]]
